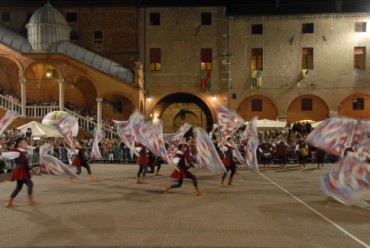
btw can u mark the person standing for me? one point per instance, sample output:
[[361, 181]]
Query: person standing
[[21, 173], [182, 171], [229, 162], [142, 161], [302, 149], [84, 161], [281, 148]]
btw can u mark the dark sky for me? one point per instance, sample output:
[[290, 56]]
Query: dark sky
[[235, 7]]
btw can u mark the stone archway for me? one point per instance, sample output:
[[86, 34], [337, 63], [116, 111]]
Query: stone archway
[[355, 106], [10, 73], [257, 105], [179, 108], [307, 107]]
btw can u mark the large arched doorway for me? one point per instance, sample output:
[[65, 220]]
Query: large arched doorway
[[355, 106], [308, 107], [257, 105], [179, 108]]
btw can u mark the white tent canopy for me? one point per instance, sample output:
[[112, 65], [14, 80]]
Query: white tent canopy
[[265, 123], [40, 130]]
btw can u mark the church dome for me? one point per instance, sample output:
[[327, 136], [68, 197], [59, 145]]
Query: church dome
[[45, 27], [48, 15]]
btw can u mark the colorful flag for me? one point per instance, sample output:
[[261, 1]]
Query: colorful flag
[[237, 154], [151, 136], [203, 79], [336, 135], [174, 139], [51, 165], [347, 181], [125, 132], [207, 156], [209, 79], [95, 151], [64, 126], [228, 121], [8, 118]]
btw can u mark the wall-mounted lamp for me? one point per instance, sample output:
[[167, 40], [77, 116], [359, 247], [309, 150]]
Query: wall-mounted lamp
[[213, 97], [148, 98], [48, 73]]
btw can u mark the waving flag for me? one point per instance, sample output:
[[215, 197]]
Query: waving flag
[[95, 152], [207, 156], [251, 153], [151, 136], [237, 154], [174, 139], [51, 165], [347, 181], [250, 130], [124, 129], [64, 126], [228, 121], [335, 135], [8, 118]]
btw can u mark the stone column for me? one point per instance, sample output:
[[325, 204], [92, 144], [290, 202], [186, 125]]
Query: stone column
[[99, 112], [61, 94], [23, 96]]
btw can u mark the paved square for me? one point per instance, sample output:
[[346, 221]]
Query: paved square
[[277, 208]]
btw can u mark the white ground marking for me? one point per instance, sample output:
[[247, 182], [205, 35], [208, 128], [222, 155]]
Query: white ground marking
[[318, 213]]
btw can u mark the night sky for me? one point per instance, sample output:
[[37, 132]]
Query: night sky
[[234, 7]]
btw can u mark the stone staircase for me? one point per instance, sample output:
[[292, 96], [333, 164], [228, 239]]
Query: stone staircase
[[37, 113]]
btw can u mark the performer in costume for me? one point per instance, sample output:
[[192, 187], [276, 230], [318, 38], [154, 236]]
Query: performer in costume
[[153, 162], [84, 162], [302, 149], [21, 173], [217, 147], [320, 154], [281, 148], [183, 172], [265, 150], [228, 161], [142, 161]]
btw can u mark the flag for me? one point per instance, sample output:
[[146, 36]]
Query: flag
[[95, 152], [174, 140], [347, 181], [250, 130], [203, 79], [151, 136], [8, 118], [207, 156], [125, 132], [228, 121], [251, 153], [209, 79], [237, 154], [64, 126], [51, 165]]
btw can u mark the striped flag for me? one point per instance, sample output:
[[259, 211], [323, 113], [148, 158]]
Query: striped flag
[[51, 165], [125, 132], [207, 156], [64, 126], [250, 130], [8, 118], [95, 151], [151, 136], [228, 121], [347, 181], [174, 139]]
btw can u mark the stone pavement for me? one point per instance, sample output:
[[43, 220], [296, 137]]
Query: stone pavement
[[277, 208]]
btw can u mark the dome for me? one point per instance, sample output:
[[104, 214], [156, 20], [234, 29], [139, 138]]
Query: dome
[[47, 26], [47, 15]]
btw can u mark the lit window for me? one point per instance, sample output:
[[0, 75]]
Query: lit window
[[359, 58], [307, 58], [155, 59], [257, 59], [206, 59]]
